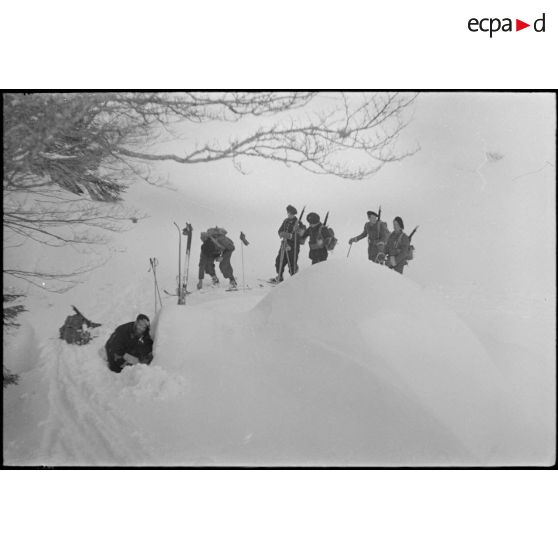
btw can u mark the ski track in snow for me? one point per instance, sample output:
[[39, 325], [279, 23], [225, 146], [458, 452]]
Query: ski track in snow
[[81, 428], [84, 427]]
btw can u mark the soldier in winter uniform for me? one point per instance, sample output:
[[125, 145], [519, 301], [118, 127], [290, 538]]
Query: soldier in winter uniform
[[289, 249], [129, 344], [377, 233], [226, 247], [319, 238], [208, 254], [397, 247]]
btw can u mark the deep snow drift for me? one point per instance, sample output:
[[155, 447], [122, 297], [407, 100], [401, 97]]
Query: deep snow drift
[[348, 363]]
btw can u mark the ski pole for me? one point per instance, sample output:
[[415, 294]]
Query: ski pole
[[155, 264], [242, 258], [188, 232], [244, 243], [296, 244], [350, 246], [179, 265], [154, 284]]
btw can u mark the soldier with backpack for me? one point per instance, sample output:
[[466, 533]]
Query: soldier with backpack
[[290, 244], [321, 238], [225, 246], [397, 247], [377, 233], [209, 252]]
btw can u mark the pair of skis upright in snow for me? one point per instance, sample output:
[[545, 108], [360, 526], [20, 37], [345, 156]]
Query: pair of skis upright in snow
[[182, 278]]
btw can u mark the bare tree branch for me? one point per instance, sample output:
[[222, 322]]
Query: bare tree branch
[[69, 157]]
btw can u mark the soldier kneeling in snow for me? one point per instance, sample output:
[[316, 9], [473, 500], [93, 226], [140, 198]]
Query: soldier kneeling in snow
[[129, 344]]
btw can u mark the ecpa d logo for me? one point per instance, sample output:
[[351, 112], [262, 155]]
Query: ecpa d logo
[[492, 25]]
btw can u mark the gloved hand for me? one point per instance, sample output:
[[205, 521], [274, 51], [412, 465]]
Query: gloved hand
[[285, 235], [392, 261], [351, 240]]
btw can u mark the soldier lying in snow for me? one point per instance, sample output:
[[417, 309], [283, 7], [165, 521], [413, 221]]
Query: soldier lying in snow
[[77, 329], [129, 344]]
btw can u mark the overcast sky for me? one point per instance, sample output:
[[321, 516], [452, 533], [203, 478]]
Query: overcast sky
[[481, 220]]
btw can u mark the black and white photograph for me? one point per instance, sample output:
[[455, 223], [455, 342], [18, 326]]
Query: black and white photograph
[[279, 278]]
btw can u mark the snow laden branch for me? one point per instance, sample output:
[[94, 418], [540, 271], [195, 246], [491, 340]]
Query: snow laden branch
[[352, 138]]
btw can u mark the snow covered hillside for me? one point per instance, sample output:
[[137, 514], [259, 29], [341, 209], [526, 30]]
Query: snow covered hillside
[[347, 363]]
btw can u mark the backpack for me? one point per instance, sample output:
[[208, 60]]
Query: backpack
[[227, 243], [219, 235], [76, 329], [411, 253], [331, 241]]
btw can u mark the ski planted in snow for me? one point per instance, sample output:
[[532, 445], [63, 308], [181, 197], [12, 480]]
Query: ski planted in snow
[[295, 232]]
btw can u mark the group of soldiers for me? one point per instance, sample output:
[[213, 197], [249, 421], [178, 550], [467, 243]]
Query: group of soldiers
[[131, 343], [390, 249]]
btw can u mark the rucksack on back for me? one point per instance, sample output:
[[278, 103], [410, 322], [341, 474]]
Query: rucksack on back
[[331, 241], [219, 234], [411, 253]]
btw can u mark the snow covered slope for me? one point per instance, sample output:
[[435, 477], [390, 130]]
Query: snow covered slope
[[347, 363]]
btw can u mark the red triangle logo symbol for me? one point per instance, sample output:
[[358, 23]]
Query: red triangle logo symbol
[[519, 25]]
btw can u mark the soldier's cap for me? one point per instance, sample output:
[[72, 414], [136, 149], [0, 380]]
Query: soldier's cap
[[142, 317], [370, 213], [400, 221], [292, 210], [313, 218]]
